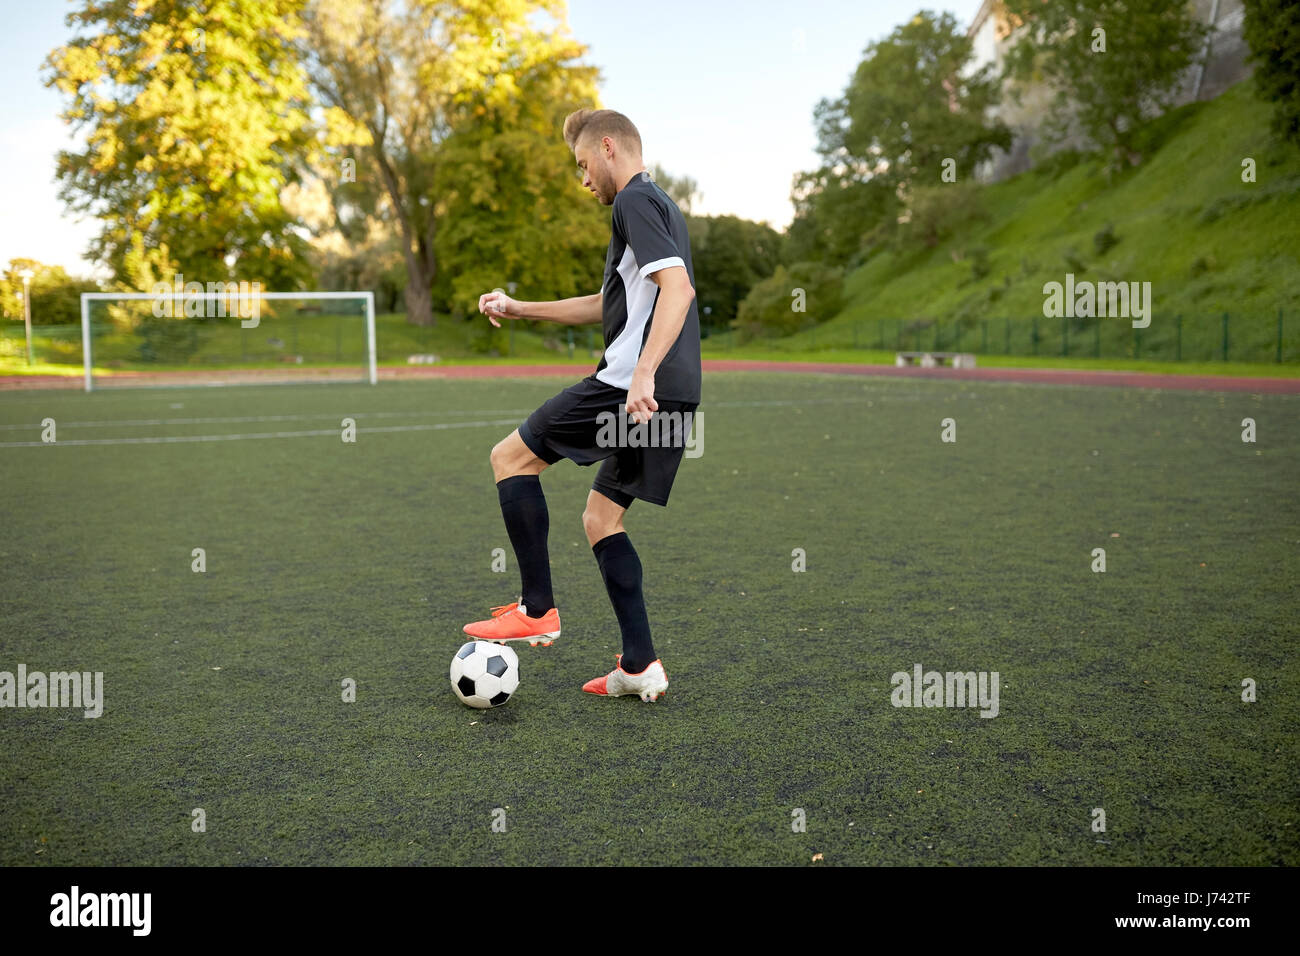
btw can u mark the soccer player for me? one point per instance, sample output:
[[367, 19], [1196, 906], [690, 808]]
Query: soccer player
[[651, 366]]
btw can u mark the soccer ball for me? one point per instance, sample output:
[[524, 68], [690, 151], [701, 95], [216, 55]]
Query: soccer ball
[[484, 675]]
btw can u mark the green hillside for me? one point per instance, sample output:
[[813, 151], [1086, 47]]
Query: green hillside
[[1184, 221]]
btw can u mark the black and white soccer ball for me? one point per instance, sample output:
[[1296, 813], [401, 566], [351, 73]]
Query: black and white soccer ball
[[484, 674]]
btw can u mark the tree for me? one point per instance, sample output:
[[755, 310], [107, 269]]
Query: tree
[[911, 105], [807, 292], [195, 118], [374, 263], [682, 190], [730, 255], [837, 216], [509, 189], [1272, 29], [1112, 63], [939, 212], [56, 296], [356, 252], [414, 93]]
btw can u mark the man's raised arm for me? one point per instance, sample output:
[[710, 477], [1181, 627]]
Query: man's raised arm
[[580, 310]]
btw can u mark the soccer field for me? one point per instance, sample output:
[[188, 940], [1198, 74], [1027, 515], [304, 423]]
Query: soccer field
[[778, 741]]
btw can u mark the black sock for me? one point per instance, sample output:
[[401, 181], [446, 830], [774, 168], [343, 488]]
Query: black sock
[[528, 522], [621, 569]]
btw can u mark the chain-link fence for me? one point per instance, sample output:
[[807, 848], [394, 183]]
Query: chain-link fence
[[1205, 337]]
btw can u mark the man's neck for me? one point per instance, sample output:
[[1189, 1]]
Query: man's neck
[[629, 172]]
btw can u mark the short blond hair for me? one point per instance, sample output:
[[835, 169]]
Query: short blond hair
[[582, 124]]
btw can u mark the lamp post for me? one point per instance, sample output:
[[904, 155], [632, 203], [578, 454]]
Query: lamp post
[[26, 276]]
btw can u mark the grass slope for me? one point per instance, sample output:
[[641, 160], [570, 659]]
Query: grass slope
[[328, 560], [1185, 221]]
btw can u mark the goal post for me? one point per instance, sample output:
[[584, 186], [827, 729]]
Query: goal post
[[227, 337]]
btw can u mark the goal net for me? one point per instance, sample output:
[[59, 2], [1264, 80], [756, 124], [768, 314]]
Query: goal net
[[227, 337]]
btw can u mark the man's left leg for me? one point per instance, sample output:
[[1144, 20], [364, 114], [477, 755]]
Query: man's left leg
[[639, 671]]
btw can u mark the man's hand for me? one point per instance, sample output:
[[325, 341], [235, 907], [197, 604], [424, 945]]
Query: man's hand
[[497, 304], [641, 397]]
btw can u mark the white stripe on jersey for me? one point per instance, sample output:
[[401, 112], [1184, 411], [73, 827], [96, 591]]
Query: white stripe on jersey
[[661, 264], [640, 291]]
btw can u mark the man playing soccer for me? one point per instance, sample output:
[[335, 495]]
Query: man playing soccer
[[651, 365]]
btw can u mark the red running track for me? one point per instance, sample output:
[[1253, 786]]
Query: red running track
[[1039, 376]]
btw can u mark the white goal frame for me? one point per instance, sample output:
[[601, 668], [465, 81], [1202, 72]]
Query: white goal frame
[[88, 297]]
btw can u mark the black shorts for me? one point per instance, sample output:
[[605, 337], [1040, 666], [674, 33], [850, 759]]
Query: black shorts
[[582, 424]]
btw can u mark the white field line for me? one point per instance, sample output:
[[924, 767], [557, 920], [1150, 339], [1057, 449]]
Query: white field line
[[314, 433], [359, 416], [254, 419]]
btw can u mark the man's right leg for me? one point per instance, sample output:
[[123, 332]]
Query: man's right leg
[[523, 506]]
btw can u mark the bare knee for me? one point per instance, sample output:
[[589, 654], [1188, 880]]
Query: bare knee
[[500, 457], [511, 457], [594, 525], [601, 519]]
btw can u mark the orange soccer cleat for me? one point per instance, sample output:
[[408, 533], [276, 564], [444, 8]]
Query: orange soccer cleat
[[510, 622]]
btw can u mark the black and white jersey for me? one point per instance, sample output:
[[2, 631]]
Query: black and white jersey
[[649, 234]]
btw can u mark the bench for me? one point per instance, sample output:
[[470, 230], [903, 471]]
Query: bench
[[932, 359]]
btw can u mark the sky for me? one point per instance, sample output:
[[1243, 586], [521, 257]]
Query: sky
[[721, 91]]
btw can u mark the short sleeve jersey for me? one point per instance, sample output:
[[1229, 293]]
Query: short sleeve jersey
[[649, 234]]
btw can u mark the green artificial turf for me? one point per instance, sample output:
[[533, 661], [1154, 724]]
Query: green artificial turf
[[327, 560]]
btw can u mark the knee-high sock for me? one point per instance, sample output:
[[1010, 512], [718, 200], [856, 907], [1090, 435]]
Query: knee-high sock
[[621, 569], [528, 523]]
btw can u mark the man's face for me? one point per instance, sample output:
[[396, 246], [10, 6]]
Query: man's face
[[596, 161]]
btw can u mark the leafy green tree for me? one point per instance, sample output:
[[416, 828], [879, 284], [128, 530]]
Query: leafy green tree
[[682, 190], [194, 118], [508, 187], [1112, 63], [359, 253], [374, 264], [837, 217], [11, 286], [434, 103], [912, 103], [1272, 29], [939, 212], [56, 296], [791, 299], [730, 255]]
